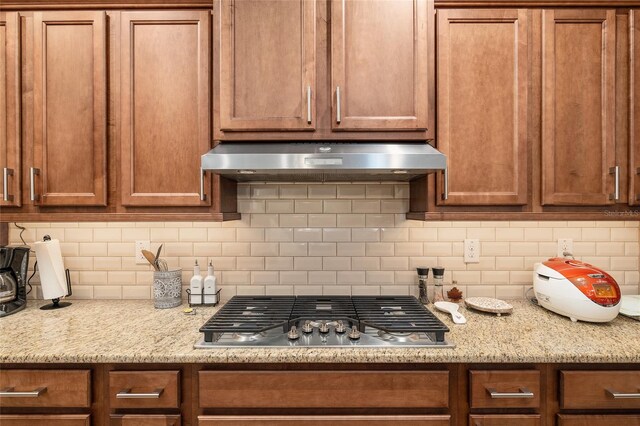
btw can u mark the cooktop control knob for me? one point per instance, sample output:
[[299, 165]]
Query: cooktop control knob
[[307, 327], [354, 334], [324, 327], [340, 328], [293, 333]]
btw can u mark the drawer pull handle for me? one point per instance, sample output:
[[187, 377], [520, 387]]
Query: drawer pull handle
[[524, 393], [11, 393], [127, 394], [623, 395]]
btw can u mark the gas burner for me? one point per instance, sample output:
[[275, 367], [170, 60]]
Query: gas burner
[[247, 337], [399, 336]]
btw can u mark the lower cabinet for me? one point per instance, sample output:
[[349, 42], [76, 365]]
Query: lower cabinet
[[504, 420], [598, 420], [324, 420], [45, 419], [145, 420]]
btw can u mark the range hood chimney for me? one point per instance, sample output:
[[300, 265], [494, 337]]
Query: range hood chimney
[[323, 162]]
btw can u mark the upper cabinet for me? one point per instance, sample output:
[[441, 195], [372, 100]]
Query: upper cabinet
[[307, 69], [267, 64], [69, 117], [10, 194], [578, 108], [381, 62], [483, 77], [165, 114], [634, 163]]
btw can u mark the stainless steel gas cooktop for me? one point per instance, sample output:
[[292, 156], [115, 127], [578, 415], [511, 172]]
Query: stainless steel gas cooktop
[[323, 321]]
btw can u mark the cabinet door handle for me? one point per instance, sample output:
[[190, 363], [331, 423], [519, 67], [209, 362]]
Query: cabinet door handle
[[203, 196], [11, 393], [6, 172], [32, 183], [623, 395], [127, 394], [445, 192], [615, 171], [309, 104], [523, 393], [338, 112]]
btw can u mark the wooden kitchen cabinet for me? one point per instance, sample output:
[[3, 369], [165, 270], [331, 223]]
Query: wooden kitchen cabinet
[[165, 108], [45, 388], [10, 110], [504, 420], [48, 419], [578, 107], [598, 420], [267, 65], [441, 420], [145, 420], [483, 78], [599, 389], [634, 158], [491, 389], [144, 389], [69, 116], [381, 65], [324, 389]]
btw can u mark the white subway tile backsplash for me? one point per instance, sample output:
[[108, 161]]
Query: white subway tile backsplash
[[334, 239]]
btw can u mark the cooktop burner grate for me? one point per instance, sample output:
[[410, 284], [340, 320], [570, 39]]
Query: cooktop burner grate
[[396, 315], [249, 315]]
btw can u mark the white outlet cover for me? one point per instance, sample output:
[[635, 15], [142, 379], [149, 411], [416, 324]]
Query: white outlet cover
[[564, 244], [141, 245], [471, 251]]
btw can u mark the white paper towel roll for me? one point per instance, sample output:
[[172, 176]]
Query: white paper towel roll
[[52, 276]]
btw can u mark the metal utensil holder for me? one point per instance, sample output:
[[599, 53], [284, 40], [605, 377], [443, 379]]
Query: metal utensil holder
[[194, 298]]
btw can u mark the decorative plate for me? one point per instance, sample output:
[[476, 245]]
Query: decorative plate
[[489, 304]]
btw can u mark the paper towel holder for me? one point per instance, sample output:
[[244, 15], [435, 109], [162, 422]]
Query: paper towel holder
[[56, 303]]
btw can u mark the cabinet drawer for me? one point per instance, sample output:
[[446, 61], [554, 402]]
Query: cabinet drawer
[[45, 388], [504, 420], [145, 420], [324, 389], [599, 420], [599, 389], [442, 420], [144, 389], [45, 419], [505, 389]]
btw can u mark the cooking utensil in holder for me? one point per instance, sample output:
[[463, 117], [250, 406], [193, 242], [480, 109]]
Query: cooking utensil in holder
[[167, 289], [198, 299]]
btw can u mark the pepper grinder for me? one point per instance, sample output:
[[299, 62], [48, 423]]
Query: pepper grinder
[[438, 281], [423, 274]]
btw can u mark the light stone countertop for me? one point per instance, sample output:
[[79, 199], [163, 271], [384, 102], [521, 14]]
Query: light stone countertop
[[113, 331]]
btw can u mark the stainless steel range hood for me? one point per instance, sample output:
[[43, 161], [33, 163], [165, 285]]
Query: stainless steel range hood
[[323, 162]]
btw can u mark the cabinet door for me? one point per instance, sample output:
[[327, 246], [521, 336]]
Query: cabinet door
[[634, 167], [598, 420], [347, 420], [145, 420], [70, 118], [165, 107], [578, 121], [483, 74], [267, 64], [9, 110], [381, 64], [45, 419]]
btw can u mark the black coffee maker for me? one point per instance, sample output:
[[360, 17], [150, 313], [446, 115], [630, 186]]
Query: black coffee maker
[[14, 263]]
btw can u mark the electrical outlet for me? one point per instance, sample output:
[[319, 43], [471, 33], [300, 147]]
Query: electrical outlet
[[565, 245], [141, 245], [471, 251]]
